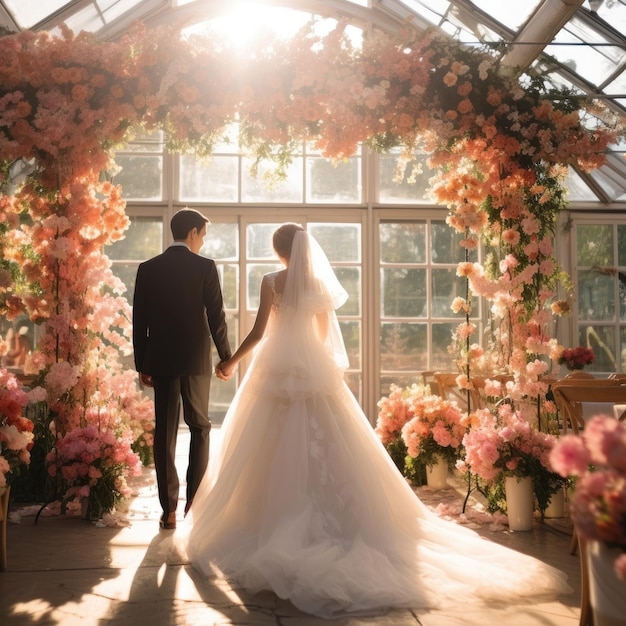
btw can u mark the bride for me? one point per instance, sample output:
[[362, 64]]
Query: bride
[[302, 498]]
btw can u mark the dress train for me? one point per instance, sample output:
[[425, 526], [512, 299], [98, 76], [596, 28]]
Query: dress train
[[302, 499]]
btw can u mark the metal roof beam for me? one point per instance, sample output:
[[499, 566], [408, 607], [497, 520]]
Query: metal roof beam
[[539, 31]]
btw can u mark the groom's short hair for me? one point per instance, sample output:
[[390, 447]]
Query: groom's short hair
[[184, 221]]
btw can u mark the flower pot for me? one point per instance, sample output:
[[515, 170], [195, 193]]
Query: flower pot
[[606, 590], [437, 474], [520, 502], [556, 505]]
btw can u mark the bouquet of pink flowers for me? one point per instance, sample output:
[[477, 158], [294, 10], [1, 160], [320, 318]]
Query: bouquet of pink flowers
[[504, 444], [576, 358], [414, 425], [394, 411], [92, 464], [597, 458], [16, 431], [436, 428]]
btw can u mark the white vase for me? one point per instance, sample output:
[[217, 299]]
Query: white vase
[[607, 593], [556, 505], [520, 502], [437, 474]]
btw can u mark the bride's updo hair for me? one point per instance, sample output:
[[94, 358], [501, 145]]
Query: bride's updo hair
[[283, 239]]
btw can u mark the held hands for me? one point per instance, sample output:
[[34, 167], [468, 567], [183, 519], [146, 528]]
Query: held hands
[[224, 369], [145, 380]]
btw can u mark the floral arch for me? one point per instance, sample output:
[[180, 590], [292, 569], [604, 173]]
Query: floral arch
[[499, 143]]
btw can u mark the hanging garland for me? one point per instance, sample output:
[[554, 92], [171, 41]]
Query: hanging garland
[[499, 147]]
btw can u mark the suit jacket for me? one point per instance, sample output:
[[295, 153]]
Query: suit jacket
[[177, 309]]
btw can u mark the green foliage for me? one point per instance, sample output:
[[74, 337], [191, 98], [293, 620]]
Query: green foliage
[[33, 484], [413, 469]]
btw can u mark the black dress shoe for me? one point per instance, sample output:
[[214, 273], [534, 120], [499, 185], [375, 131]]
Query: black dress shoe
[[168, 522]]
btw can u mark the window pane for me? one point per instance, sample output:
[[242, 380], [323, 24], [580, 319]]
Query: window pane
[[446, 244], [142, 240], [221, 241], [229, 279], [403, 346], [596, 296], [446, 286], [127, 273], [603, 342], [141, 176], [259, 241], [403, 242], [351, 332], [413, 186], [327, 182], [594, 245], [403, 292], [214, 180], [340, 242], [350, 279], [400, 380], [442, 338], [262, 189], [622, 353], [621, 245]]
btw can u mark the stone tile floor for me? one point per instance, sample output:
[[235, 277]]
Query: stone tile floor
[[68, 571]]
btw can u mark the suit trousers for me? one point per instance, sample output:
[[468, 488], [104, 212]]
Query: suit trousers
[[169, 391]]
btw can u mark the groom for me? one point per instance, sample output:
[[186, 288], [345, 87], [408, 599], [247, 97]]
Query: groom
[[177, 310]]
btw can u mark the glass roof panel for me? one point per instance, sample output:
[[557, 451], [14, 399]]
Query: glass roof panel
[[577, 189], [591, 48], [512, 14], [29, 12], [112, 9], [431, 10], [613, 12], [577, 51], [86, 19], [617, 87]]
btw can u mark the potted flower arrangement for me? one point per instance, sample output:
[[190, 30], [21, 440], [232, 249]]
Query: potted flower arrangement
[[576, 358], [503, 445], [434, 435], [597, 461], [395, 410], [16, 431], [90, 467]]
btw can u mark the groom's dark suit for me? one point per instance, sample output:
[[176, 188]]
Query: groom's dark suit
[[177, 309]]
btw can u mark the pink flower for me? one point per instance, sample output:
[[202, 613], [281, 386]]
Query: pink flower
[[511, 237], [599, 503], [570, 457]]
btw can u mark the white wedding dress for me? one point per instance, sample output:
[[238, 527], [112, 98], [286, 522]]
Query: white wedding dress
[[302, 499]]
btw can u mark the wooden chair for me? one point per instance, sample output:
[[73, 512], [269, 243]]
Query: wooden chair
[[586, 614], [428, 378], [480, 399], [571, 393], [448, 388]]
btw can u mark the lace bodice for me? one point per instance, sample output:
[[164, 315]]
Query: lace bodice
[[276, 297]]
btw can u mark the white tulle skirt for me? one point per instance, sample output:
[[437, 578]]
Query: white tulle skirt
[[303, 500]]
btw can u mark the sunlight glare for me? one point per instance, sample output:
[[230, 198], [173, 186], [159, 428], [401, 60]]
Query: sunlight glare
[[246, 20]]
